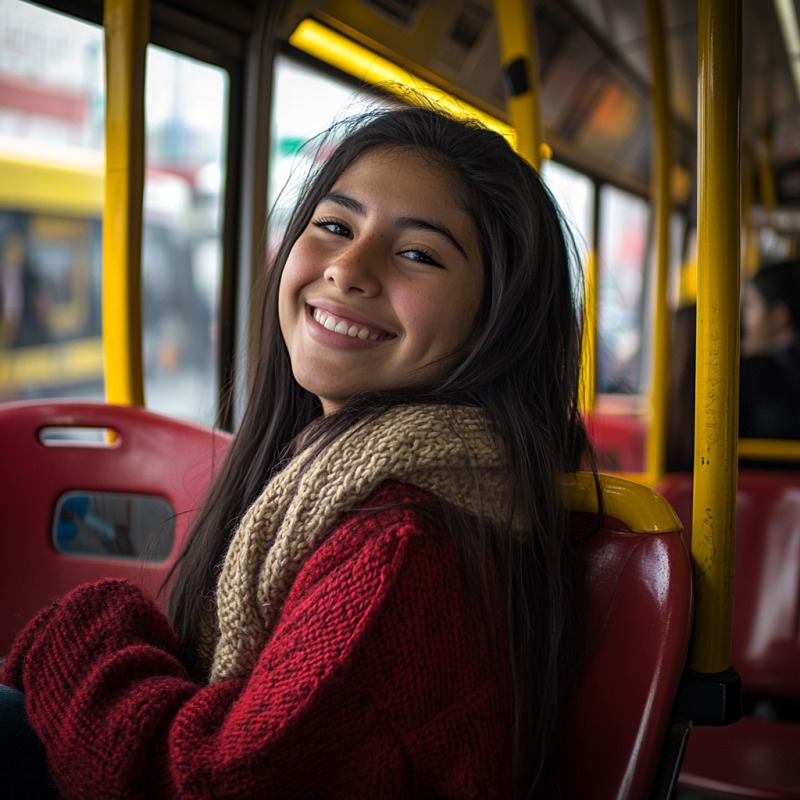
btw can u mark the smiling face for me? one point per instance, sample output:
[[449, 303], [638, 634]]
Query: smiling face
[[384, 283]]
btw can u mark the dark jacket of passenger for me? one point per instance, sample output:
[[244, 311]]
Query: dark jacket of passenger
[[769, 395]]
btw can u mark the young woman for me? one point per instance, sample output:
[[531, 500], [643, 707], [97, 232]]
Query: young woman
[[376, 599], [769, 375]]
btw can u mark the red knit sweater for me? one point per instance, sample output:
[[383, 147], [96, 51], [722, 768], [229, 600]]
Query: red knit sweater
[[375, 683]]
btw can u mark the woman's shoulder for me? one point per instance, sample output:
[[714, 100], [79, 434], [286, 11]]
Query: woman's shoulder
[[387, 530], [776, 362], [768, 377], [394, 510]]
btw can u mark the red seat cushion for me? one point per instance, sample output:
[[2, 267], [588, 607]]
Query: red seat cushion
[[752, 758]]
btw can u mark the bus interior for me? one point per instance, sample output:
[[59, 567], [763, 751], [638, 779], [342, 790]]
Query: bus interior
[[668, 131]]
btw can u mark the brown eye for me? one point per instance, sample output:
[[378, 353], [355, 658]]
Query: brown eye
[[334, 226], [421, 255]]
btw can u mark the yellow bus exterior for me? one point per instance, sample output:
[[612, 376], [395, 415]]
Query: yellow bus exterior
[[50, 211]]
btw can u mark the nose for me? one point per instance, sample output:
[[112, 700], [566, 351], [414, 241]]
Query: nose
[[357, 268]]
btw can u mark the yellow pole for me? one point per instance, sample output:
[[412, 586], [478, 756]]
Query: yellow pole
[[751, 233], [126, 25], [517, 33], [766, 175], [662, 206], [716, 412], [518, 53], [589, 341]]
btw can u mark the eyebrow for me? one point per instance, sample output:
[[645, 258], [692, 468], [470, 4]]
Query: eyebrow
[[403, 223]]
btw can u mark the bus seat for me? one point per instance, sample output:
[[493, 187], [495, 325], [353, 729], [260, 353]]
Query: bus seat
[[751, 758], [637, 592], [68, 463], [636, 584], [757, 756], [619, 440]]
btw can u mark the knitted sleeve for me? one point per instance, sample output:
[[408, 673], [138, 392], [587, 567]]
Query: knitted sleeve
[[373, 684]]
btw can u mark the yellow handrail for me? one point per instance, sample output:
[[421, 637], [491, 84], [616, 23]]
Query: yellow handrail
[[517, 52], [588, 390], [716, 409], [662, 206], [517, 35], [323, 42], [639, 507], [771, 449], [126, 25]]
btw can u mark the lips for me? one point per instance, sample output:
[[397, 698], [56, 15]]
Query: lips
[[347, 327]]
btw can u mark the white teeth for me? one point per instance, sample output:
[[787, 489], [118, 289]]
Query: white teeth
[[342, 327]]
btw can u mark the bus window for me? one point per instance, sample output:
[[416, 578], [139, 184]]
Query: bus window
[[305, 103], [186, 105], [51, 207], [114, 525], [51, 196], [623, 221], [574, 194]]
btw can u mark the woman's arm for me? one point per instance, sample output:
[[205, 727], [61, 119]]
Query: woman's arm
[[373, 658]]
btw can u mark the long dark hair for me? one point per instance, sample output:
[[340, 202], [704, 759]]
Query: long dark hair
[[521, 365]]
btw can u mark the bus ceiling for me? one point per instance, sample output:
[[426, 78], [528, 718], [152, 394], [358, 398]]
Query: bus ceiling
[[594, 70], [594, 74]]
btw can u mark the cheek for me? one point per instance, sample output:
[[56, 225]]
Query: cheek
[[297, 273], [284, 300], [753, 321], [295, 268], [436, 319], [458, 311], [287, 302]]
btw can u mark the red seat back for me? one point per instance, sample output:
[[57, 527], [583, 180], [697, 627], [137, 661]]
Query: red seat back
[[638, 599], [619, 440], [150, 455], [766, 595]]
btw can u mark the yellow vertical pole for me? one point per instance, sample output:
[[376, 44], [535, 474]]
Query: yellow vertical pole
[[750, 238], [517, 36], [662, 206], [766, 176], [589, 341], [716, 412], [126, 24]]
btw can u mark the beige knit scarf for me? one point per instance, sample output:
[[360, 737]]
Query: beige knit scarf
[[449, 451]]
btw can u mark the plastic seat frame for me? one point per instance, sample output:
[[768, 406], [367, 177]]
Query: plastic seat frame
[[637, 589], [755, 757], [143, 453]]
